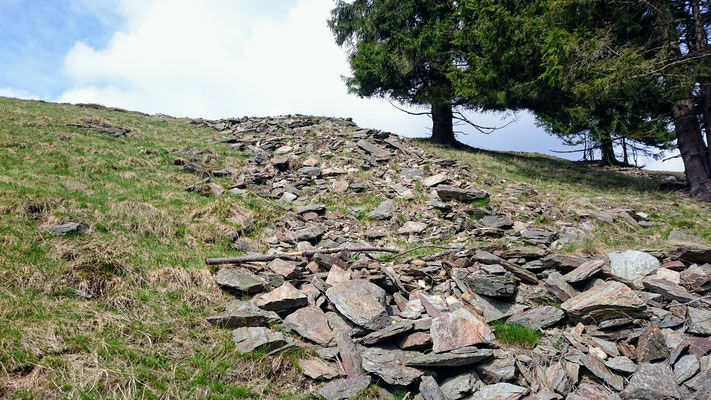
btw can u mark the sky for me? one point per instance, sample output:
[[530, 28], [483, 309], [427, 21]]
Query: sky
[[211, 59]]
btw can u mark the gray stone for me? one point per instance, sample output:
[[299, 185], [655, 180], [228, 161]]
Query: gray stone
[[458, 358], [630, 264], [373, 149], [459, 386], [538, 236], [592, 391], [701, 383], [679, 237], [609, 300], [389, 363], [497, 370], [285, 297], [652, 382], [457, 329], [447, 192], [310, 234], [558, 287], [416, 340], [668, 289], [499, 391], [67, 228], [700, 321], [310, 172], [341, 389], [387, 333], [311, 323], [314, 207], [430, 390], [492, 308], [318, 369], [338, 321], [384, 210], [245, 315], [686, 367], [412, 227], [492, 221], [248, 339], [284, 268], [598, 368], [539, 317], [434, 180], [240, 280], [486, 284], [622, 364], [360, 301], [584, 271]]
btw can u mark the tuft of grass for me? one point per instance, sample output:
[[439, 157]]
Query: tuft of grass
[[516, 335]]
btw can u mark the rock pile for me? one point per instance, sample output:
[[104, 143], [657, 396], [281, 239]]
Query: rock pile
[[631, 324]]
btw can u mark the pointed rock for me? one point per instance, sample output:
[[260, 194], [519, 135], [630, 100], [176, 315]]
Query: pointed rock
[[598, 368], [558, 287]]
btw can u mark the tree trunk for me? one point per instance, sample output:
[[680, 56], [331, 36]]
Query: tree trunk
[[693, 149], [442, 129], [706, 105], [704, 81], [607, 149]]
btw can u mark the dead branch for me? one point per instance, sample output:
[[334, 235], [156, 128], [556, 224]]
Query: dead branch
[[295, 255]]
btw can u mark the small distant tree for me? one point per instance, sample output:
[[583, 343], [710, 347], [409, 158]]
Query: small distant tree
[[405, 50]]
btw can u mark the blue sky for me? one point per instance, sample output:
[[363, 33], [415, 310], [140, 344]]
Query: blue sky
[[208, 58]]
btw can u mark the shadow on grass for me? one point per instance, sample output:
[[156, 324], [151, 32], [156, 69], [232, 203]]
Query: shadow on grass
[[550, 169]]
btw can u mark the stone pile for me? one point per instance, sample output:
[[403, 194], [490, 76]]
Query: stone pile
[[629, 324]]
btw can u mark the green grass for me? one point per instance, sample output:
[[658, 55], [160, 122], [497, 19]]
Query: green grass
[[142, 332], [516, 335]]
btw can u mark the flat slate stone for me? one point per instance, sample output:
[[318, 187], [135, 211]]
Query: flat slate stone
[[457, 329], [416, 340], [538, 236], [285, 297], [434, 180], [248, 339], [499, 391], [584, 271], [459, 386], [609, 300], [558, 287], [598, 368], [240, 280], [318, 369], [362, 302], [387, 333], [631, 264], [373, 149], [67, 228], [652, 382], [384, 210], [447, 192], [700, 320], [284, 268], [539, 317], [451, 359], [245, 315], [668, 289], [652, 345], [311, 323], [686, 367], [341, 389], [493, 221], [592, 391], [497, 370], [622, 364], [389, 363], [492, 285]]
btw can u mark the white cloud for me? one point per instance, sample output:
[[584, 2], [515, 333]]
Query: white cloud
[[18, 94]]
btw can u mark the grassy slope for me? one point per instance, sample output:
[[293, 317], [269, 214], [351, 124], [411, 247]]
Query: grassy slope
[[143, 334]]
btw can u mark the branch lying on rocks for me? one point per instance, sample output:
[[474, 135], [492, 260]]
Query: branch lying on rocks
[[295, 255]]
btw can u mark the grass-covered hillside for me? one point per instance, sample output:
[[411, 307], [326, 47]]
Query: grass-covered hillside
[[118, 310]]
